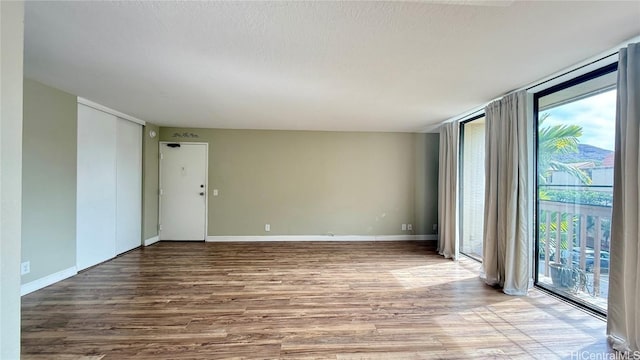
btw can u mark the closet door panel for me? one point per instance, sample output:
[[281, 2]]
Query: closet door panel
[[128, 185], [96, 187]]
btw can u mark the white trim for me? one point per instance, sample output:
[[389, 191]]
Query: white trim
[[103, 108], [152, 240], [47, 280], [431, 237], [206, 190]]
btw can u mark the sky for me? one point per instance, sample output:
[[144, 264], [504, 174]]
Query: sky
[[596, 115]]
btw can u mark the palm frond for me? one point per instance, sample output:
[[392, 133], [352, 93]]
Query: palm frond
[[556, 140], [571, 170]]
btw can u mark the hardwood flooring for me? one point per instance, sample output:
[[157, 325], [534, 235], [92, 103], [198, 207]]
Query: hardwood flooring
[[296, 300]]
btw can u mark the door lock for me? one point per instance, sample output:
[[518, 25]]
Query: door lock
[[202, 194]]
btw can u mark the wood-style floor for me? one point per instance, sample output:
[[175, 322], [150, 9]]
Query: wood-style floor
[[329, 300]]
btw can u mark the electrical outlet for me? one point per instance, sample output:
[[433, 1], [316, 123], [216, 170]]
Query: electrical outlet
[[267, 227], [409, 227], [404, 227], [25, 268]]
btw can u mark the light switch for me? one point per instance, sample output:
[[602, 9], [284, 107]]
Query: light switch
[[215, 192]]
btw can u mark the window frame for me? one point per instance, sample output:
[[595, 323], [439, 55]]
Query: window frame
[[461, 182], [601, 71]]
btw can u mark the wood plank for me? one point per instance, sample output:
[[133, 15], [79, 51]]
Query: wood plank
[[327, 300]]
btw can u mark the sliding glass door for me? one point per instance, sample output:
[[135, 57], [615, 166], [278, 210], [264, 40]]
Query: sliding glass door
[[575, 143], [472, 186]]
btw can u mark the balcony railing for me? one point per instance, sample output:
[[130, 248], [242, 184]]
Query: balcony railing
[[584, 237]]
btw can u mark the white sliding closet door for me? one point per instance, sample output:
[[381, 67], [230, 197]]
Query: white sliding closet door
[[128, 185], [109, 189], [96, 187]]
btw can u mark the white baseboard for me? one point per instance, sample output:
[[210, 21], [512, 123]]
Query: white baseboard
[[322, 238], [47, 280], [152, 240]]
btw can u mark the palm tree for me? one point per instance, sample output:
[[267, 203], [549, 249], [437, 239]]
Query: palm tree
[[556, 140]]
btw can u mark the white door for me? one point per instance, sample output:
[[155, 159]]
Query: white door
[[183, 191], [96, 187], [128, 186]]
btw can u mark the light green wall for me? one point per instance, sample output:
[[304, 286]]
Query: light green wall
[[316, 183], [149, 182], [11, 48], [426, 165], [48, 180]]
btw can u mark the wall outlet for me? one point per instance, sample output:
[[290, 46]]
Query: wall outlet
[[404, 227], [267, 227], [25, 268], [409, 227]]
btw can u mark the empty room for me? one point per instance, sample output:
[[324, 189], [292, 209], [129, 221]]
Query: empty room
[[320, 179]]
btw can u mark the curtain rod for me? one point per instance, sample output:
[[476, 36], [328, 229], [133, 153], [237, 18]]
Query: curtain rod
[[576, 67]]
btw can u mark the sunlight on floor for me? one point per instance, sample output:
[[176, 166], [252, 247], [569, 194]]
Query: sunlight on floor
[[490, 329], [430, 275]]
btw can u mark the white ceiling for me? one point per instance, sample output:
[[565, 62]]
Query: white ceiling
[[366, 66]]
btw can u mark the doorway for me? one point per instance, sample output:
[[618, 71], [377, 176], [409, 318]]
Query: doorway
[[183, 191]]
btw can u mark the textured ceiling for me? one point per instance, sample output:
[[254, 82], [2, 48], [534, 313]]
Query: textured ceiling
[[367, 66]]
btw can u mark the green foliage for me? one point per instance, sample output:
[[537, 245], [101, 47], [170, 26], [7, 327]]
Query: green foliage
[[582, 197], [558, 139], [565, 222], [553, 142]]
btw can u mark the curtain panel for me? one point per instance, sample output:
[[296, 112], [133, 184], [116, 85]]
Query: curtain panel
[[447, 191], [506, 259], [623, 320]]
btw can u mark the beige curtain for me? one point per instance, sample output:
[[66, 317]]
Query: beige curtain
[[447, 191], [623, 320], [506, 255]]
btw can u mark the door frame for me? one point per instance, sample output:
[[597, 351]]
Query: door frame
[[206, 180]]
